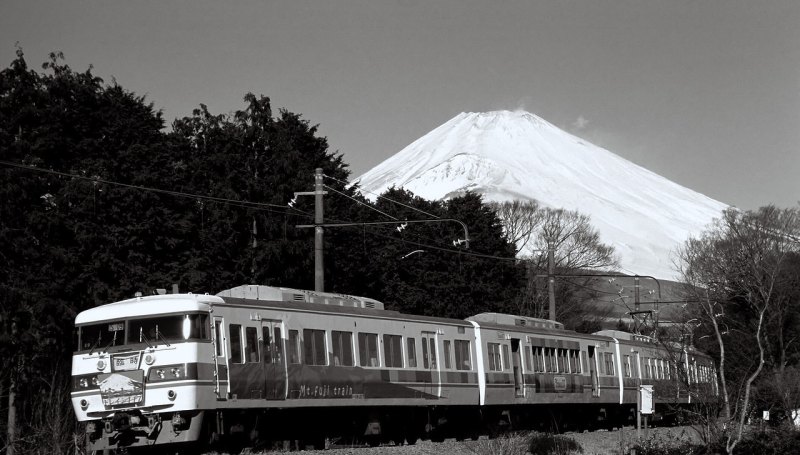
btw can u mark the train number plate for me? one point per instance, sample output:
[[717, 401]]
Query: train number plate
[[125, 362]]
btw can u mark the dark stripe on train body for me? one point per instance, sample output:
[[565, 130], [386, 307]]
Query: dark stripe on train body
[[556, 383]]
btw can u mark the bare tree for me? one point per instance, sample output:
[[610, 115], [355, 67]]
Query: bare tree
[[520, 220], [734, 272], [577, 250]]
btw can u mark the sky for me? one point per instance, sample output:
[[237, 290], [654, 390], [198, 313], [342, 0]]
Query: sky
[[703, 92]]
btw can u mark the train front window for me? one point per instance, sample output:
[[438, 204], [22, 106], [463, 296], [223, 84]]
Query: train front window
[[167, 329], [101, 336]]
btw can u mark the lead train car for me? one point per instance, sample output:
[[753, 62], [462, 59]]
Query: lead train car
[[255, 364]]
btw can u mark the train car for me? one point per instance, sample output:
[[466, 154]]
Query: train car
[[256, 364]]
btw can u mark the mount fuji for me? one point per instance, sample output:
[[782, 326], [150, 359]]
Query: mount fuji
[[507, 155]]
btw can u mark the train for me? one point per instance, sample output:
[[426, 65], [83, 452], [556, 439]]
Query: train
[[256, 366]]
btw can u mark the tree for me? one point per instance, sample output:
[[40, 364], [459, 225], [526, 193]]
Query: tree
[[738, 273], [577, 251]]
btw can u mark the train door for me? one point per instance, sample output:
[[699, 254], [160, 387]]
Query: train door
[[221, 379], [593, 371], [430, 361], [273, 360], [516, 362]]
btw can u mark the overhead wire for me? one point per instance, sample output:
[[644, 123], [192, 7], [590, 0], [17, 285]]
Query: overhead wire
[[383, 197], [264, 206]]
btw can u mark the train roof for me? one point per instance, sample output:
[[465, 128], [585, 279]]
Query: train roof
[[150, 305]]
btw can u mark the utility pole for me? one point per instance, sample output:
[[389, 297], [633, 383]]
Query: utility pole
[[319, 270], [551, 280]]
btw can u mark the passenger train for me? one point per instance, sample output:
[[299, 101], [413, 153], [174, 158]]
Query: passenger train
[[254, 365]]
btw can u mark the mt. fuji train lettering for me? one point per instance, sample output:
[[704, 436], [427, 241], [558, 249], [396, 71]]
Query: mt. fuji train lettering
[[254, 365]]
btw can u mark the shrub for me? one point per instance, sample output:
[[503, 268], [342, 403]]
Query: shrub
[[549, 444]]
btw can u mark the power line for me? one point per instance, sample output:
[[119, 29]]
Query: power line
[[233, 202], [359, 202], [382, 197]]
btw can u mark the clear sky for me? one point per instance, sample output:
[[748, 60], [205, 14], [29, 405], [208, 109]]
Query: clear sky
[[703, 92]]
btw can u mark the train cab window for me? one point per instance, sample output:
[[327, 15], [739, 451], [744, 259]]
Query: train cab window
[[314, 352], [251, 345], [368, 349], [293, 347], [626, 362], [342, 348], [494, 357], [448, 360], [411, 349], [236, 342], [393, 350], [463, 357]]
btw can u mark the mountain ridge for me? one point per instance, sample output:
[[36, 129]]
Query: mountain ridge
[[508, 155]]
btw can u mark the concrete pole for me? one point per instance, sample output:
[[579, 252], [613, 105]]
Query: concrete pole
[[319, 268], [551, 280]]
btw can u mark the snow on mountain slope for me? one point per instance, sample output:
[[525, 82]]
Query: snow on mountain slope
[[508, 155]]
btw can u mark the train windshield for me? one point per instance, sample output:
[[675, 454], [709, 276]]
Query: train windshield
[[148, 331]]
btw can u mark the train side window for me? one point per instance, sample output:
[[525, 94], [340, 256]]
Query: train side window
[[448, 363], [527, 352], [368, 349], [425, 363], [393, 350], [562, 357], [506, 362], [411, 347], [574, 361], [314, 352], [463, 354], [494, 356], [551, 363], [608, 360], [538, 359], [251, 345], [294, 347], [627, 364], [218, 337], [432, 342], [342, 348], [236, 342]]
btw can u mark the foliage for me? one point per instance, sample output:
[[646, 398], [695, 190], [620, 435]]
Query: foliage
[[546, 443], [742, 274], [666, 444], [99, 202]]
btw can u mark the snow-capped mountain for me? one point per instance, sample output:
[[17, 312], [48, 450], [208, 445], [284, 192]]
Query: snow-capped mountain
[[508, 155]]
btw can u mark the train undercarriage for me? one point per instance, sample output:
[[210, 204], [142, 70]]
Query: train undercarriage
[[300, 428]]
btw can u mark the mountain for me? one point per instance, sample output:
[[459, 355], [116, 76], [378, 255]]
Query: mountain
[[506, 155]]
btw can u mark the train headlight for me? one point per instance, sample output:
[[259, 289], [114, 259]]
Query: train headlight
[[101, 365], [149, 359], [171, 395], [161, 373], [94, 380], [84, 383], [84, 405], [176, 372]]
